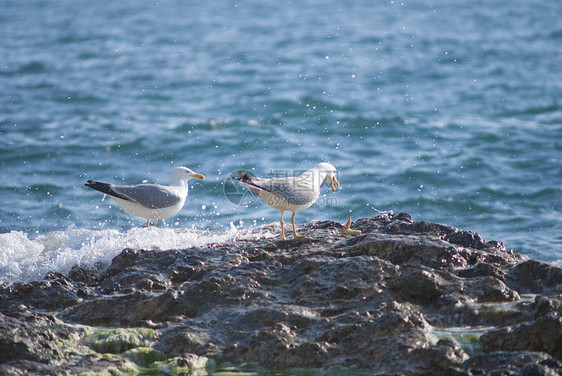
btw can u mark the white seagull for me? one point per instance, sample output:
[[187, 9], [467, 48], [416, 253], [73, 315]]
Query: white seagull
[[291, 193], [150, 201]]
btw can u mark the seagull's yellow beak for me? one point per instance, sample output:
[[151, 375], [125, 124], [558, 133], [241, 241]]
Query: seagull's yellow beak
[[336, 182], [198, 176]]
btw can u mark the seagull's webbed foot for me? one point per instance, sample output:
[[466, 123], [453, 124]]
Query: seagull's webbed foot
[[297, 236]]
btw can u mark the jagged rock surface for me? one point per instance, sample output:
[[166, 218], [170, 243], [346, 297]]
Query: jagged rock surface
[[379, 301]]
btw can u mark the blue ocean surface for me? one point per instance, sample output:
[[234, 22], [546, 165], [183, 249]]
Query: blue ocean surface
[[448, 111]]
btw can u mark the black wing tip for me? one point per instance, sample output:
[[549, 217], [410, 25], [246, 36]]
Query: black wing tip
[[105, 188], [102, 187], [94, 183], [247, 179], [242, 176]]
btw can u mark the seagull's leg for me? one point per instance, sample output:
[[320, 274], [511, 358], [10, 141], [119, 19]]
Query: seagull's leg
[[156, 223], [294, 228], [147, 223], [282, 227]]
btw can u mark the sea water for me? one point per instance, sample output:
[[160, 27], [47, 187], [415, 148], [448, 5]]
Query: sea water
[[448, 111]]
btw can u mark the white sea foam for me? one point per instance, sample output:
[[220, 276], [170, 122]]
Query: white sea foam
[[23, 259]]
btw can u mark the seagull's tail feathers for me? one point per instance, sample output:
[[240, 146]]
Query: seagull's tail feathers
[[105, 188], [242, 176], [247, 180]]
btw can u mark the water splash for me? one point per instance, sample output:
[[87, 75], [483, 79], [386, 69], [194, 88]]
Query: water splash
[[23, 259]]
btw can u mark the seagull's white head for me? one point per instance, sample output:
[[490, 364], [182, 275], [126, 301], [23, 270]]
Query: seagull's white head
[[182, 173], [328, 173]]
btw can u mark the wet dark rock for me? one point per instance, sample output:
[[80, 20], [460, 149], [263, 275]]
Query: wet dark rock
[[491, 289], [534, 276], [433, 360], [34, 341], [127, 309], [544, 306], [467, 239], [421, 285], [481, 270], [82, 275], [505, 363], [390, 300], [544, 334], [46, 294], [181, 341]]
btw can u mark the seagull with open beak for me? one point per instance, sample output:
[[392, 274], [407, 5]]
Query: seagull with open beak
[[291, 193]]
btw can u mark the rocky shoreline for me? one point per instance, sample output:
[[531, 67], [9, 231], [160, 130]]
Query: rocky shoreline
[[403, 297]]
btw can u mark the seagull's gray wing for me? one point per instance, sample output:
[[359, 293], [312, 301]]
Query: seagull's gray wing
[[152, 196], [293, 189]]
